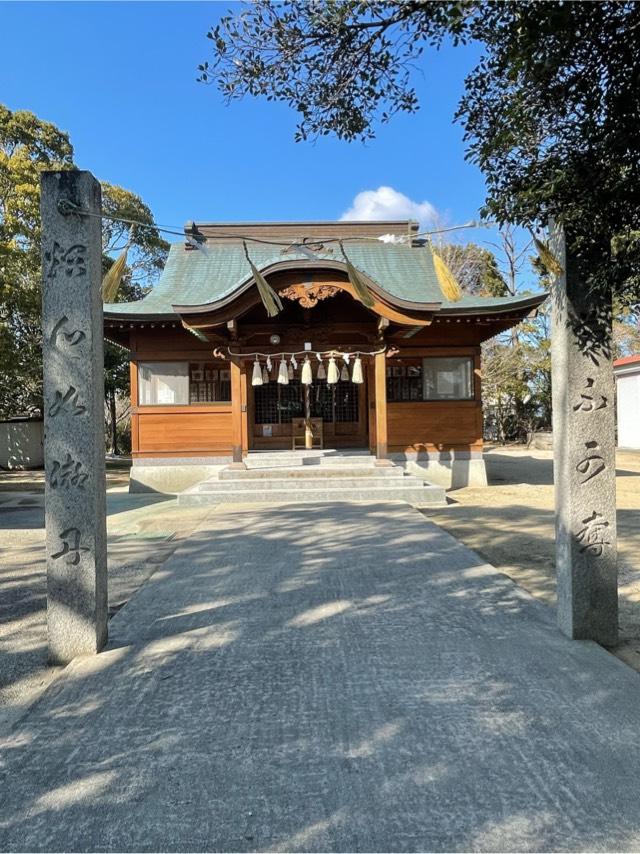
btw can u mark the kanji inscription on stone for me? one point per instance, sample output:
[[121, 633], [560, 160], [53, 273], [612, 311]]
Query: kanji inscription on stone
[[71, 261], [592, 464], [63, 332], [72, 344], [593, 535], [66, 403], [70, 546], [590, 400], [68, 473], [584, 452]]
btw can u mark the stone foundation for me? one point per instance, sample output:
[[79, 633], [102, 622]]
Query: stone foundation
[[451, 470], [173, 475]]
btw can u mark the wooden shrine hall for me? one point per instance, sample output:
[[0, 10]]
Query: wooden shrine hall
[[364, 353]]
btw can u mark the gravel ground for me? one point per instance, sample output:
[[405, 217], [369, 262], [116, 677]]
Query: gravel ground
[[511, 523], [142, 532]]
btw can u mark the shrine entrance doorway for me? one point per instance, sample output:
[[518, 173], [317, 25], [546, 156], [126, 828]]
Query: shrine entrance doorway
[[342, 408]]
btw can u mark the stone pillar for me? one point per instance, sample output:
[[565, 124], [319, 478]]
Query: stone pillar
[[74, 444], [584, 456]]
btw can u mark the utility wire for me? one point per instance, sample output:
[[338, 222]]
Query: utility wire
[[67, 207]]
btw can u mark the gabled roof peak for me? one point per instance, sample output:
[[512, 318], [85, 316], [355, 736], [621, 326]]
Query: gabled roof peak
[[314, 230]]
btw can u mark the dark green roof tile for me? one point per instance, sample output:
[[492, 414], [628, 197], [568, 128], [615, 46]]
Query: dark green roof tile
[[193, 277]]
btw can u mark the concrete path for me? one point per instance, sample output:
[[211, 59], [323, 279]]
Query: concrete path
[[328, 678]]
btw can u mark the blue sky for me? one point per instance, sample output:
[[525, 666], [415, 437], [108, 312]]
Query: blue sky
[[121, 79]]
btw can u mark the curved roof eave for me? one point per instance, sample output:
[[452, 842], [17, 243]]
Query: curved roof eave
[[165, 316], [320, 264], [515, 303]]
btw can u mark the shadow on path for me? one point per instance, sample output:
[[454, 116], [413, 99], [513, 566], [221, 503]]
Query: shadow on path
[[328, 678]]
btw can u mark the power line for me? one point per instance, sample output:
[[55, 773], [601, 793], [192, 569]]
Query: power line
[[67, 207]]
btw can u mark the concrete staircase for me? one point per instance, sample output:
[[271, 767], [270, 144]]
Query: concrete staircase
[[313, 476]]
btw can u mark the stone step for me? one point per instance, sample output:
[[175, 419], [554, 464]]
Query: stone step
[[344, 460], [275, 483], [420, 495], [290, 459], [307, 472], [327, 453]]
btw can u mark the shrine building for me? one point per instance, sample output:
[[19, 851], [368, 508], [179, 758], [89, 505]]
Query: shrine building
[[366, 352]]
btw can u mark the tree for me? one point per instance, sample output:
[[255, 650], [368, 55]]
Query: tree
[[512, 255], [516, 381], [550, 113], [474, 268], [626, 331], [27, 146], [341, 65], [145, 259]]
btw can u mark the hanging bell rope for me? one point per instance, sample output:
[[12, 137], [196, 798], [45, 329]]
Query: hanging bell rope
[[256, 379], [306, 378], [113, 276], [332, 374], [270, 299], [448, 283], [362, 291], [321, 354], [283, 374], [546, 256]]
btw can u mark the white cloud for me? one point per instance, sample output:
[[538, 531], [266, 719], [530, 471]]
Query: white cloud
[[387, 203]]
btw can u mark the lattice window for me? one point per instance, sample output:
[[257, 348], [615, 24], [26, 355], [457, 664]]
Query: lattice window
[[209, 382], [279, 404]]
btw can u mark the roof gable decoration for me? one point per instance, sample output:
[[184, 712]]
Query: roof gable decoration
[[362, 291], [270, 299]]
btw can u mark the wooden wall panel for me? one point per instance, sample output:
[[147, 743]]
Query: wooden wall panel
[[183, 433], [207, 429], [435, 426]]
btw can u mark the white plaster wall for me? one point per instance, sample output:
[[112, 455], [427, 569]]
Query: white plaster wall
[[21, 445], [628, 394]]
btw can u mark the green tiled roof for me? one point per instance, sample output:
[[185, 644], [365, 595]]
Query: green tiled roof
[[193, 277]]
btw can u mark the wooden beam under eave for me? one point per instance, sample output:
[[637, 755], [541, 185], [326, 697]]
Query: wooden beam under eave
[[196, 332], [205, 333], [236, 307], [404, 332]]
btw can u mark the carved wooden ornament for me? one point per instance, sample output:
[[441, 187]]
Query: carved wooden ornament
[[308, 297]]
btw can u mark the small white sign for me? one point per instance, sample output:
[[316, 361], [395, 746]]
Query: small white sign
[[307, 345], [267, 430]]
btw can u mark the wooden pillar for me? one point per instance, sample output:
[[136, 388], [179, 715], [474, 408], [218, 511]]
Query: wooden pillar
[[371, 397], [380, 377], [236, 413], [308, 430], [133, 376], [244, 408]]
